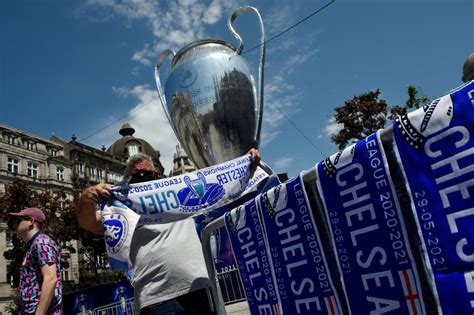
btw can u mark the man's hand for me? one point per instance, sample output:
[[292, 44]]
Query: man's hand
[[87, 214], [95, 193], [255, 155]]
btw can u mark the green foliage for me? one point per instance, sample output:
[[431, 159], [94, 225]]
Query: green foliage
[[61, 223], [17, 196], [366, 113], [414, 102], [360, 116], [93, 257]]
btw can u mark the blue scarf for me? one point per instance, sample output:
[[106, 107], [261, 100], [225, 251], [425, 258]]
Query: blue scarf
[[367, 230], [172, 199], [435, 147], [277, 232]]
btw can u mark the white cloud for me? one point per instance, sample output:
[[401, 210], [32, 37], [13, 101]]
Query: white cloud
[[172, 26], [279, 18], [332, 127], [281, 100], [121, 91], [143, 56], [268, 136], [283, 163], [176, 23], [148, 119], [214, 13], [104, 137]]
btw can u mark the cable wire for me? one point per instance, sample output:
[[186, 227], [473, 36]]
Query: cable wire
[[247, 51], [298, 129], [105, 127], [290, 28], [112, 123]]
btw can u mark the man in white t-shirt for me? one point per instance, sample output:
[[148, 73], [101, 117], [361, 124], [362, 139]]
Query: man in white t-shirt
[[170, 275]]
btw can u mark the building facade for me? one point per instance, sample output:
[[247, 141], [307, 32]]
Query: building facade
[[129, 145], [56, 164], [40, 162], [181, 163]]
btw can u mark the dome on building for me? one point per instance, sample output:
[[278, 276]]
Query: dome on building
[[129, 145]]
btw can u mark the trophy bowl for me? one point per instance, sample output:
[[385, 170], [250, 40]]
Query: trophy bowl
[[211, 99]]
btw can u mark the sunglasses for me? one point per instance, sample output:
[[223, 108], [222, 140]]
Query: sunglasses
[[142, 176], [18, 220]]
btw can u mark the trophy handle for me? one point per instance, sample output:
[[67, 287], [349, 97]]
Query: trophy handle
[[259, 111], [161, 94]]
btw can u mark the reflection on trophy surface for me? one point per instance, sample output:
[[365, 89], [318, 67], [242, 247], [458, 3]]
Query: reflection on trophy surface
[[211, 100], [219, 130]]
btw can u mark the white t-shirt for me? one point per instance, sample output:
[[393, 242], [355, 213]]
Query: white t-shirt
[[167, 261]]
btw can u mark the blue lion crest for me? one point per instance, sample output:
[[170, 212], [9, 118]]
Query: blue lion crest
[[199, 194], [115, 228]]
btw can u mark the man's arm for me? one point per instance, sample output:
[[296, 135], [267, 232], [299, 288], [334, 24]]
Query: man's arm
[[87, 214], [47, 288], [255, 153]]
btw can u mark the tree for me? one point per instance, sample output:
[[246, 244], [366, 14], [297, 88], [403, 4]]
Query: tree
[[61, 222], [366, 113], [61, 225], [414, 102], [360, 116], [17, 197]]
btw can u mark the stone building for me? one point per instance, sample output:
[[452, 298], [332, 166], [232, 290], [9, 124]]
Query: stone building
[[129, 145], [43, 164], [54, 164], [39, 161], [181, 163], [91, 166]]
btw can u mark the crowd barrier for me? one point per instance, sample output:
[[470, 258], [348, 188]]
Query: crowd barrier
[[106, 299], [382, 227], [231, 286], [125, 307]]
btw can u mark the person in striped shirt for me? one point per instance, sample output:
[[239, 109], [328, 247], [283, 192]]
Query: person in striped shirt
[[40, 273]]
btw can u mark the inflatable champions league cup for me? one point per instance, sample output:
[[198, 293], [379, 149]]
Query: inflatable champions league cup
[[210, 97]]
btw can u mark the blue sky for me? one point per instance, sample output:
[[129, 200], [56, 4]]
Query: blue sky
[[76, 66]]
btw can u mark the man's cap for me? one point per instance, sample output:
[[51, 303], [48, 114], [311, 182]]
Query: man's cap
[[34, 213]]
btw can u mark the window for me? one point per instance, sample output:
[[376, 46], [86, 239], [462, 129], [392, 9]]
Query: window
[[13, 165], [98, 173], [65, 275], [30, 145], [113, 177], [132, 149], [11, 139], [32, 170], [62, 204], [53, 152], [80, 169], [60, 173], [10, 234]]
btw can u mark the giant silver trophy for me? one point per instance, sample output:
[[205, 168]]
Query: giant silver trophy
[[210, 97]]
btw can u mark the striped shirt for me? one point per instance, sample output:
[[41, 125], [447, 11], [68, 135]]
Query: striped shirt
[[41, 250]]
